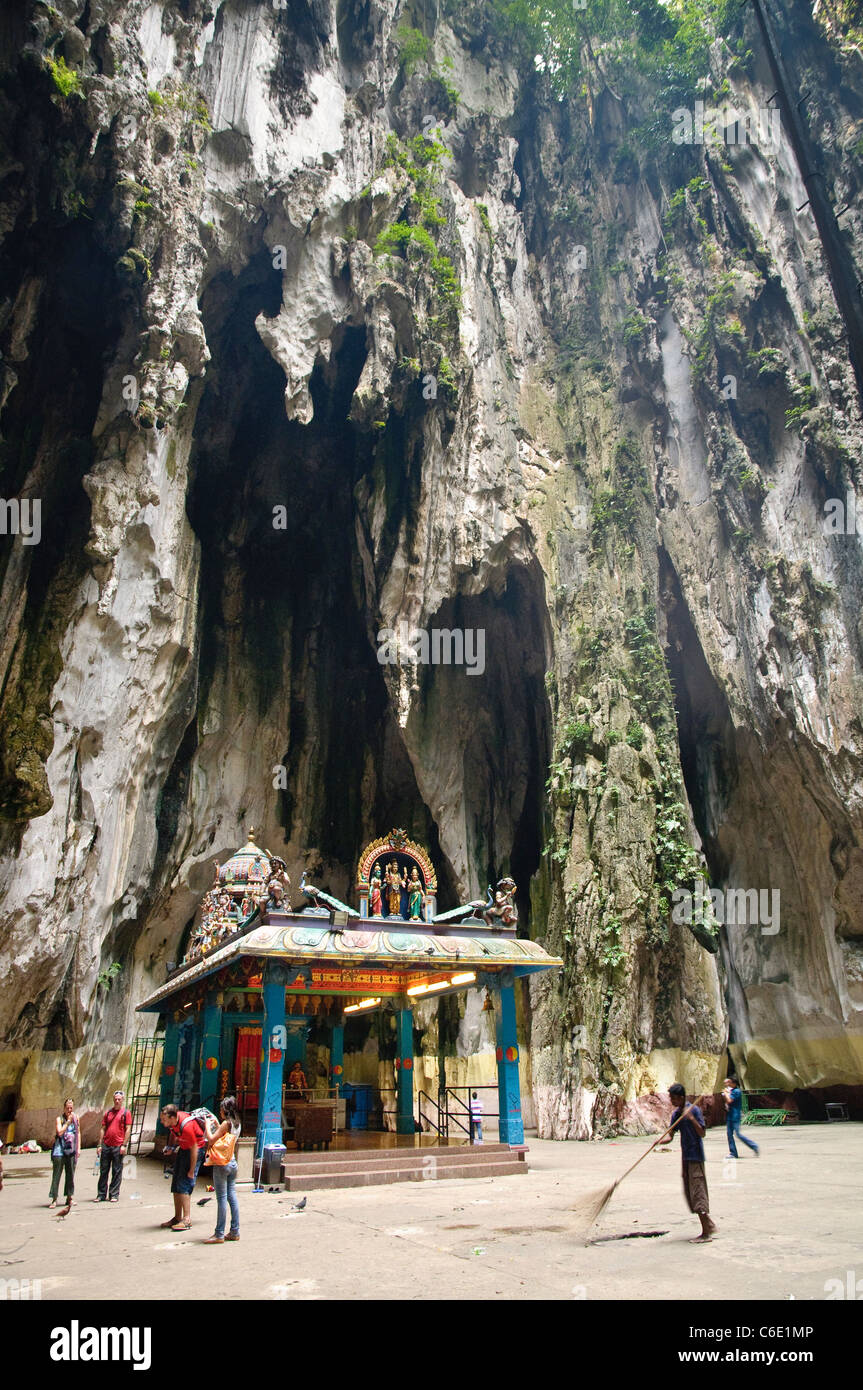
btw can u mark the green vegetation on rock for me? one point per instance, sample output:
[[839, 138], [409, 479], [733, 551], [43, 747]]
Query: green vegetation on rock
[[421, 158], [66, 79]]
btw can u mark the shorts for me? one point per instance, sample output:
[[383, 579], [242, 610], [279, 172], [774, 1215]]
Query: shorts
[[695, 1187], [181, 1182]]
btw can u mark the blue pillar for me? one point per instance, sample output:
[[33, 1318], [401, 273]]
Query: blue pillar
[[211, 1043], [405, 1072], [508, 1089], [337, 1056], [273, 1039], [168, 1077]]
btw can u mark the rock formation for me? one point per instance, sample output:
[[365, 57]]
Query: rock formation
[[332, 316]]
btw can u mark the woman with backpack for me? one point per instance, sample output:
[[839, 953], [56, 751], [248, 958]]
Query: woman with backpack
[[221, 1153], [64, 1152]]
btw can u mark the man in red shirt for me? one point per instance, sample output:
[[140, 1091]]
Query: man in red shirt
[[192, 1141], [113, 1142]]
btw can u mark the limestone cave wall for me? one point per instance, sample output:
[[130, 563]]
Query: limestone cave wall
[[321, 318]]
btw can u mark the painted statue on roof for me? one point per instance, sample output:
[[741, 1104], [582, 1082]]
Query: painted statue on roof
[[502, 912], [376, 901], [416, 896], [395, 882]]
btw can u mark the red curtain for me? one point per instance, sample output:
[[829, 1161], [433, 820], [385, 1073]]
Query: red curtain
[[247, 1067]]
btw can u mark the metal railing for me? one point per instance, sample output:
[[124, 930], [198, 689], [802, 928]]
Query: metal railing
[[452, 1091], [440, 1124], [386, 1091], [456, 1119]]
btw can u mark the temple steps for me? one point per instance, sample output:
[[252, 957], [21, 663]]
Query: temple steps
[[308, 1172]]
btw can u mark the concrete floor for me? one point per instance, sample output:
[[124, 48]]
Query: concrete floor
[[789, 1222]]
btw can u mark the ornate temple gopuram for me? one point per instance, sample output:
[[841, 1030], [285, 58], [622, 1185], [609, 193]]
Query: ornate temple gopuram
[[259, 973]]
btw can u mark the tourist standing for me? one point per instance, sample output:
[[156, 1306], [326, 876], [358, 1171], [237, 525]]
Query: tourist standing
[[64, 1153], [692, 1130], [191, 1140], [111, 1148], [221, 1153], [475, 1118], [733, 1098]]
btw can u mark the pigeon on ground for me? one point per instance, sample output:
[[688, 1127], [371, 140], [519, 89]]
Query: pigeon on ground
[[203, 1201], [64, 1212], [300, 1206]]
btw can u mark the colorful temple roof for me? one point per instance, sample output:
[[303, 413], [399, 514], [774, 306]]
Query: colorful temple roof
[[399, 953], [396, 943], [250, 864]]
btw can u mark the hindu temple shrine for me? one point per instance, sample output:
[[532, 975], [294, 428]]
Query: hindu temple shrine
[[267, 986]]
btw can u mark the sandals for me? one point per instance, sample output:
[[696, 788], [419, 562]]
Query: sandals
[[214, 1240], [166, 1225], [181, 1226]]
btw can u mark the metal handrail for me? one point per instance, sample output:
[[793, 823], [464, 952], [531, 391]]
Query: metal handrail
[[488, 1114], [455, 1119], [425, 1095]]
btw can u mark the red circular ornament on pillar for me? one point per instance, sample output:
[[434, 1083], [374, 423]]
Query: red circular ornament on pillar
[[499, 1054], [275, 1054], [512, 1054], [169, 1071], [211, 1063], [398, 1063], [407, 1063], [337, 1070]]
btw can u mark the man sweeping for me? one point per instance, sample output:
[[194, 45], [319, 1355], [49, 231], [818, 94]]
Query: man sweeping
[[691, 1126]]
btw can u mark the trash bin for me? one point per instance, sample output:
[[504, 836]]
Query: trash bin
[[273, 1155], [359, 1105]]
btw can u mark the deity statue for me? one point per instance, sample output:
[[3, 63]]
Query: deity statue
[[279, 884], [375, 896], [416, 896], [395, 883], [503, 908]]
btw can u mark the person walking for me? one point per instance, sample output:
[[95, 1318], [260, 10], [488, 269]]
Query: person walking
[[692, 1128], [732, 1096], [192, 1146], [64, 1153], [111, 1149], [221, 1153], [475, 1118]]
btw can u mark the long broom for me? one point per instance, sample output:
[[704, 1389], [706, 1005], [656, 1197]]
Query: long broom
[[590, 1207]]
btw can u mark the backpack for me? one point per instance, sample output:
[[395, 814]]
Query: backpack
[[203, 1116], [197, 1117]]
